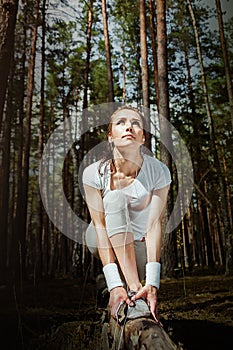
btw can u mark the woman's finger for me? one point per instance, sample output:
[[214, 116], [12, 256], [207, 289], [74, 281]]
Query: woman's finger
[[139, 295], [155, 314]]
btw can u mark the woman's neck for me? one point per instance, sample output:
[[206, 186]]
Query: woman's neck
[[129, 163]]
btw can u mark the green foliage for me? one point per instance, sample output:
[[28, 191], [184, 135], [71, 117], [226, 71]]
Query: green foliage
[[98, 82], [65, 67]]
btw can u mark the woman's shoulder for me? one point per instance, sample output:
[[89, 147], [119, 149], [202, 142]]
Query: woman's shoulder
[[91, 168], [93, 174], [156, 169], [153, 161]]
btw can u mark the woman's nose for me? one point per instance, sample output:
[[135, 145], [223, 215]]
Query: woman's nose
[[129, 126]]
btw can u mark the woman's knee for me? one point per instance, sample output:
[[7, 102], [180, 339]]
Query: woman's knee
[[91, 240]]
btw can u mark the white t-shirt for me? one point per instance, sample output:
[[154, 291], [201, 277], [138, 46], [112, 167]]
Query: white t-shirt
[[153, 175]]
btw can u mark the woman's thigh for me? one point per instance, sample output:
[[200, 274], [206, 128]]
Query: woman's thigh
[[141, 258]]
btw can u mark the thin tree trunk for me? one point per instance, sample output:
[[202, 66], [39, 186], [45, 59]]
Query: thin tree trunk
[[224, 209], [4, 181], [228, 192], [88, 53], [14, 256], [168, 251], [164, 113], [200, 235], [225, 58], [144, 64], [53, 246], [8, 13], [144, 71], [41, 213], [21, 215], [78, 156], [124, 72], [154, 50], [207, 231], [86, 85], [108, 53]]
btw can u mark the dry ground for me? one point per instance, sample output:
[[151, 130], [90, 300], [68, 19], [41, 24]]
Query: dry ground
[[197, 312]]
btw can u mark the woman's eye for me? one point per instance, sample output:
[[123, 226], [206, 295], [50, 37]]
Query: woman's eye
[[135, 122], [120, 122]]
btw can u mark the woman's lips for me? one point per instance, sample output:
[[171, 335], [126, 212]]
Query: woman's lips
[[128, 135]]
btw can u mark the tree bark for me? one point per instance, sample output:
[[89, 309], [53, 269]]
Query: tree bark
[[8, 13], [124, 71], [18, 149], [144, 64], [4, 181], [41, 213], [154, 50], [225, 58], [168, 246], [108, 53], [144, 71], [21, 215], [141, 333], [88, 54]]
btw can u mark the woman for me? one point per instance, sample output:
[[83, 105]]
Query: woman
[[126, 198]]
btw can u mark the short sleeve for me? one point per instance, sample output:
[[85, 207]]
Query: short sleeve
[[162, 175], [154, 174], [92, 177]]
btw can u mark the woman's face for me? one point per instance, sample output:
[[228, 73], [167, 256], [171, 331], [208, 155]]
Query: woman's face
[[126, 129]]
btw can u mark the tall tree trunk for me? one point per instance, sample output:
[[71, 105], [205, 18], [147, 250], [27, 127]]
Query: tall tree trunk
[[164, 113], [4, 181], [86, 85], [168, 251], [8, 13], [21, 215], [78, 156], [124, 71], [222, 185], [225, 58], [144, 64], [50, 189], [207, 232], [108, 53], [154, 50], [41, 213], [144, 70], [14, 256], [88, 53]]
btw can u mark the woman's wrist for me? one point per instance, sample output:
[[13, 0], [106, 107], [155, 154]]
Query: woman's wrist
[[112, 276], [153, 274]]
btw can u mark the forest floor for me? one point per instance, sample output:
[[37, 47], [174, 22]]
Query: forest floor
[[197, 312]]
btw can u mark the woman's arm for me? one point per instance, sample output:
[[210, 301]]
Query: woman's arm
[[153, 244], [154, 224], [95, 205]]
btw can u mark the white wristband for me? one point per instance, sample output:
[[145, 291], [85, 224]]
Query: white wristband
[[112, 276], [153, 274]]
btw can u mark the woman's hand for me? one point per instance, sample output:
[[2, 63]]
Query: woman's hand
[[149, 293], [118, 295]]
